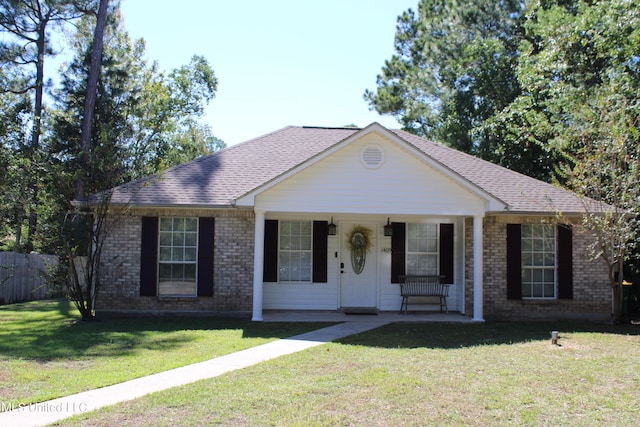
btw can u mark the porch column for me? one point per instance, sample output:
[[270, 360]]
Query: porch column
[[477, 269], [258, 264]]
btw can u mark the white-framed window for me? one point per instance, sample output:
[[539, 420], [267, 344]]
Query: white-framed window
[[295, 251], [178, 256], [538, 261], [422, 249]]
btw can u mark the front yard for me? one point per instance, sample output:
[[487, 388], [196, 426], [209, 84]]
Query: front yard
[[47, 352], [401, 374]]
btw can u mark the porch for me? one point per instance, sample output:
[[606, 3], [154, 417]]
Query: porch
[[382, 317]]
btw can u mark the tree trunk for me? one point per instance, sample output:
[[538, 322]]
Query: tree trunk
[[90, 98], [34, 173]]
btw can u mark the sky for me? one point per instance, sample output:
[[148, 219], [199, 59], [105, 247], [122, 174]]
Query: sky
[[278, 62]]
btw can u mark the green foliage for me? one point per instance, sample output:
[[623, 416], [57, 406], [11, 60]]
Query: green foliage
[[454, 68], [580, 77], [504, 81], [145, 121], [570, 55]]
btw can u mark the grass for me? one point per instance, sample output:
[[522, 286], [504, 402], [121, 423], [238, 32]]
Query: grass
[[401, 374], [418, 374], [47, 352]]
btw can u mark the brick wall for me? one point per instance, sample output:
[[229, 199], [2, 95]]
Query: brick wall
[[591, 294], [233, 266]]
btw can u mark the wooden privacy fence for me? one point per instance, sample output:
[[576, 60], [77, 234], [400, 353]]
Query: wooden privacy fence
[[23, 276]]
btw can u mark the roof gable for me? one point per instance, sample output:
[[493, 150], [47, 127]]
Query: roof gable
[[375, 128]]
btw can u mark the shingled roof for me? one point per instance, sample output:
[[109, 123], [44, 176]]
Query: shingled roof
[[218, 179]]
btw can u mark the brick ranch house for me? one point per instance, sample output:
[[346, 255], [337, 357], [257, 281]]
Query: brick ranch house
[[250, 228]]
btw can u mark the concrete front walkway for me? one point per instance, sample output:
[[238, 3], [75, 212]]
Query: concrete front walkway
[[54, 410]]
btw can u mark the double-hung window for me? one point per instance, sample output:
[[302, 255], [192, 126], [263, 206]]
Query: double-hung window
[[178, 256], [422, 249], [295, 251], [538, 261]]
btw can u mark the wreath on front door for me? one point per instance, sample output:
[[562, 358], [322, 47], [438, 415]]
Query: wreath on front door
[[360, 243]]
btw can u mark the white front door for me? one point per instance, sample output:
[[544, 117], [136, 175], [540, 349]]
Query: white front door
[[358, 268]]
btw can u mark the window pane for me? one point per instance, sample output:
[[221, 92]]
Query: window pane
[[536, 276], [190, 272], [549, 290], [537, 245], [178, 239], [549, 259], [191, 239], [285, 242], [166, 224], [548, 275], [191, 224], [305, 243], [536, 291], [190, 254], [165, 254], [165, 239], [164, 272], [537, 259]]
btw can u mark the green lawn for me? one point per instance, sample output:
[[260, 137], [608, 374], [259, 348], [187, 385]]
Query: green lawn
[[418, 374], [401, 374], [47, 352]]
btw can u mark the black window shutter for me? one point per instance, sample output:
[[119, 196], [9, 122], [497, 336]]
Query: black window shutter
[[398, 251], [320, 251], [446, 252], [514, 261], [270, 266], [149, 257], [565, 261], [206, 231]]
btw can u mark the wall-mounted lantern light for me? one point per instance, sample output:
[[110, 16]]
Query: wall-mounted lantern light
[[332, 228], [388, 229]]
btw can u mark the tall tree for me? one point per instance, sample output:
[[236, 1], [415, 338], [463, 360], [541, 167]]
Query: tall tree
[[15, 113], [569, 53], [454, 67], [26, 25], [90, 97]]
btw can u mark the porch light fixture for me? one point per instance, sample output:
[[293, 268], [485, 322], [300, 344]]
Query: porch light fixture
[[388, 229], [331, 228]]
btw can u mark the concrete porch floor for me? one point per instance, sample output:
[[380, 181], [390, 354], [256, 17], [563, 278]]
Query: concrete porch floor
[[382, 316]]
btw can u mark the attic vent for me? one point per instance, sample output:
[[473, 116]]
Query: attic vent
[[372, 156]]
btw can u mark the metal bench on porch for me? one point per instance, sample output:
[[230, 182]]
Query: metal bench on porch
[[423, 286]]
